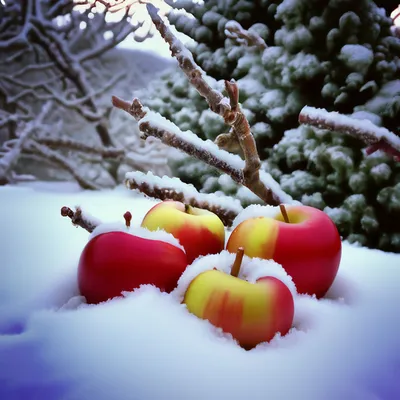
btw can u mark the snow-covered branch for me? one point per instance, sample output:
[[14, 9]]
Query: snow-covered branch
[[79, 218], [71, 144], [166, 188], [153, 124], [376, 137], [53, 51], [235, 31], [245, 172], [12, 149], [62, 162]]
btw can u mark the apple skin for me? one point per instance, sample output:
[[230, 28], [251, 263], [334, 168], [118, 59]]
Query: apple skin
[[115, 262], [309, 248], [199, 231], [252, 312]]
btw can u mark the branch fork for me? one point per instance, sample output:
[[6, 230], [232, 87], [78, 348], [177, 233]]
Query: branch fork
[[245, 172]]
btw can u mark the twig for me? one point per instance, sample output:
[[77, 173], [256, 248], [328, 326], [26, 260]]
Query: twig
[[173, 189], [79, 219], [234, 30], [9, 160], [62, 162], [376, 137], [72, 144], [206, 151], [229, 109]]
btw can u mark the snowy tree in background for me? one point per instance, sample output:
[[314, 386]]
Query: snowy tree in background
[[337, 55], [52, 52]]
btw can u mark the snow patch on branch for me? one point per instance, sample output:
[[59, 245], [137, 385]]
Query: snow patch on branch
[[158, 121], [362, 129]]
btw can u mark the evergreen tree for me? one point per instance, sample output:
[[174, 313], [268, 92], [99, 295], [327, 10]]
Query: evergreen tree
[[339, 55]]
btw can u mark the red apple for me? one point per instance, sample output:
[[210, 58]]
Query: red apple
[[253, 309], [117, 261], [199, 231], [308, 246]]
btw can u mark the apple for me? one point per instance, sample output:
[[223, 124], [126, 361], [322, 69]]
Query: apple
[[252, 306], [121, 259], [303, 239], [199, 231]]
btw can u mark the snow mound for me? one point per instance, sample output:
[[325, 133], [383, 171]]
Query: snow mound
[[144, 233], [251, 270]]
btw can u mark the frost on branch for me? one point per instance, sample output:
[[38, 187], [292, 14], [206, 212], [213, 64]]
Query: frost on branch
[[166, 188], [234, 30], [245, 172], [50, 51], [11, 150], [377, 138]]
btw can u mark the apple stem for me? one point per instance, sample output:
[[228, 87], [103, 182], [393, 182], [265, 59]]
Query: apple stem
[[284, 213], [128, 219], [187, 208], [238, 262]]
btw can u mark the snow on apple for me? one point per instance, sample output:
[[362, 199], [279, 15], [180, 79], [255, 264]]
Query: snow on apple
[[343, 346], [120, 258], [245, 300], [303, 239], [200, 232], [159, 235], [251, 270]]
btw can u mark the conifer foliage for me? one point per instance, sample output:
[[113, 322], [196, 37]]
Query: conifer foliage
[[285, 55]]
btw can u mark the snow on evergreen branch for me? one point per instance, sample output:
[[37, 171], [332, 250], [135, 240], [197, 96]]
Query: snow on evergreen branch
[[234, 30], [376, 137], [167, 188]]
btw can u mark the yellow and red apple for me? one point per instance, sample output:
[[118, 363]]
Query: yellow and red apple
[[253, 306], [199, 231], [308, 246]]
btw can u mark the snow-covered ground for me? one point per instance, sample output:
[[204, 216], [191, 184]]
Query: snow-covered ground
[[147, 346]]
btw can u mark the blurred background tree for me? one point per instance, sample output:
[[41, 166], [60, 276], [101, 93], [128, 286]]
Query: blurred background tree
[[53, 53]]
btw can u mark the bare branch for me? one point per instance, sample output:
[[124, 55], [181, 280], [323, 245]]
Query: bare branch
[[173, 189], [377, 137]]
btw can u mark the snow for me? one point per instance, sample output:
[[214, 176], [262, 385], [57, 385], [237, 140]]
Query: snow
[[254, 211], [147, 346], [144, 233], [344, 123], [188, 190], [156, 120], [357, 57], [251, 270]]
